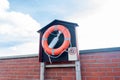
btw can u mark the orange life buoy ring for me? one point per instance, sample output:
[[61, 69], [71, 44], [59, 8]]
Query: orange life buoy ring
[[64, 45]]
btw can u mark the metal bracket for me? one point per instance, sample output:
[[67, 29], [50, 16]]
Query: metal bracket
[[76, 65], [78, 71], [42, 70]]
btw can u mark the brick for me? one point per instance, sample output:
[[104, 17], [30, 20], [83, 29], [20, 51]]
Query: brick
[[103, 60], [117, 78], [83, 69], [97, 56], [116, 60], [83, 78], [85, 57], [67, 78], [92, 78], [85, 64], [88, 60], [116, 69], [93, 74], [68, 69], [97, 65], [55, 70], [62, 74], [113, 74], [71, 74], [111, 65], [50, 74], [105, 69], [92, 69], [106, 78]]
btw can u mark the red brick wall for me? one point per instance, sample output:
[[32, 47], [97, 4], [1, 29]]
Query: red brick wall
[[94, 66], [60, 73], [101, 66], [19, 69]]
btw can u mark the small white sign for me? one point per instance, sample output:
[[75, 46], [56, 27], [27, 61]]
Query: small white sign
[[72, 54]]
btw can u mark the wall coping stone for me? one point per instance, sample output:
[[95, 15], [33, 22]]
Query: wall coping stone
[[19, 56], [81, 52]]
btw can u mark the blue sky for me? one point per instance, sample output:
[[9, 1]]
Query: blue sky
[[46, 11], [98, 20]]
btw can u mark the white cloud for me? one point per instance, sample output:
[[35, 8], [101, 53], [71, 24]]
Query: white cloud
[[17, 27], [23, 49], [4, 5], [99, 26]]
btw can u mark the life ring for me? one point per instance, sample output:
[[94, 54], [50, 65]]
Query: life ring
[[65, 44]]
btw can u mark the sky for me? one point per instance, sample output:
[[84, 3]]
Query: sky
[[98, 21]]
